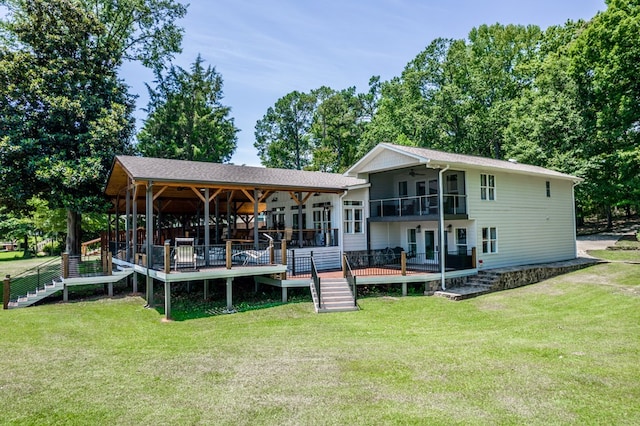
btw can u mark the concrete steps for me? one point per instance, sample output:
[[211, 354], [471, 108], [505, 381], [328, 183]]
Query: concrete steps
[[482, 283], [335, 296]]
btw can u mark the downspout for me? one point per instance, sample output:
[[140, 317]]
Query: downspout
[[441, 209]]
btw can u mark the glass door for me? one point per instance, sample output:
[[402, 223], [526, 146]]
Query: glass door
[[430, 244]]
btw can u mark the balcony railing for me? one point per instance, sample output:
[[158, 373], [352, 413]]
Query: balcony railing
[[423, 205]]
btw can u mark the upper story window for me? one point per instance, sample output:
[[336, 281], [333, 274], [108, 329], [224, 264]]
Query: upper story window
[[353, 217], [487, 187], [548, 189]]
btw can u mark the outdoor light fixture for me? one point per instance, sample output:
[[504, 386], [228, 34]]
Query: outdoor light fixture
[[418, 228], [274, 199], [449, 228]]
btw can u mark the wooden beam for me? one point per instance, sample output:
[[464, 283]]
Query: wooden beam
[[215, 194], [157, 194], [249, 196], [295, 198], [265, 195], [198, 193]]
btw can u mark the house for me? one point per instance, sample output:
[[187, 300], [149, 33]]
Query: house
[[495, 213], [400, 214]]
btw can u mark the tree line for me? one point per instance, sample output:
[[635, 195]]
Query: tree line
[[566, 98]]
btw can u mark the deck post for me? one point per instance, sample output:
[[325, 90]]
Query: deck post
[[229, 293], [109, 264], [344, 266], [149, 295], [206, 289], [403, 262], [404, 288], [473, 258], [65, 265], [110, 289], [284, 295], [167, 300], [167, 257], [228, 254], [135, 282], [149, 243], [6, 292], [65, 293]]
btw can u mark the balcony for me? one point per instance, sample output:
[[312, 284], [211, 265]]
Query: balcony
[[455, 206]]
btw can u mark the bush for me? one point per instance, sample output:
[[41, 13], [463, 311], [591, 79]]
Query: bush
[[53, 248]]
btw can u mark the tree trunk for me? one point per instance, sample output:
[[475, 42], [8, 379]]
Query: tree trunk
[[74, 231], [609, 217], [26, 253]]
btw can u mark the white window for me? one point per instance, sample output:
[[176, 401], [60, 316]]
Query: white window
[[487, 187], [461, 240], [353, 215], [489, 240]]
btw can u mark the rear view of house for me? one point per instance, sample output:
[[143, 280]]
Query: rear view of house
[[494, 213]]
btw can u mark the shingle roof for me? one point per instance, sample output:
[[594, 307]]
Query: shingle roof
[[159, 169], [434, 156]]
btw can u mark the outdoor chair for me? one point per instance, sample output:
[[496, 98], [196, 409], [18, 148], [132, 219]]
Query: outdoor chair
[[184, 255]]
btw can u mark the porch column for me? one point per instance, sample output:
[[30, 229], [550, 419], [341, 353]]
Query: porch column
[[127, 225], [149, 242], [206, 289], [135, 235], [229, 293], [117, 238], [217, 214], [256, 235], [206, 227], [441, 220], [300, 222], [284, 295]]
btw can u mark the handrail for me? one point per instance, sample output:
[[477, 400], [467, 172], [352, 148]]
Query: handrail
[[35, 278], [316, 282], [351, 279]]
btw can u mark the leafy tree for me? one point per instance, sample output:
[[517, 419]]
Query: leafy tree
[[63, 112], [337, 127], [606, 64], [186, 118], [283, 135]]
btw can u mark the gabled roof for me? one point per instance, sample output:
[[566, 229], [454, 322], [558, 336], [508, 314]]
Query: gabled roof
[[144, 169], [439, 159]]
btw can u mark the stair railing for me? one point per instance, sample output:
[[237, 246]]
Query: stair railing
[[351, 278], [34, 279], [316, 282]]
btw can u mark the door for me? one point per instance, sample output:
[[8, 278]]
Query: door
[[433, 196], [430, 244]]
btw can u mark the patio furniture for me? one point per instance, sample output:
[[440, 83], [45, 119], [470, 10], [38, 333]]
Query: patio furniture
[[184, 253]]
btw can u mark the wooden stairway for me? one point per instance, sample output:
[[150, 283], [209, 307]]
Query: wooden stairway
[[335, 296]]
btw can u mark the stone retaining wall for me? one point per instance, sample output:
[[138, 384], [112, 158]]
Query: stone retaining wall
[[530, 274]]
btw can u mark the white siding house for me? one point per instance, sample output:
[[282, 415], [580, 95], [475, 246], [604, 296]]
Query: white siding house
[[495, 213]]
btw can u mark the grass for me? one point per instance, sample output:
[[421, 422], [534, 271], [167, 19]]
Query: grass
[[616, 255], [564, 351], [13, 263]]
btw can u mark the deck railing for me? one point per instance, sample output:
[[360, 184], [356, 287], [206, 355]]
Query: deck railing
[[423, 205], [34, 279], [351, 278], [316, 282]]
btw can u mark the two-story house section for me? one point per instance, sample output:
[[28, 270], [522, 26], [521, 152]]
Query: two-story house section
[[466, 211]]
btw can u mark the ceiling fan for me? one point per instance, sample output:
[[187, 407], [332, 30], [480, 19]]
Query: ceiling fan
[[412, 173]]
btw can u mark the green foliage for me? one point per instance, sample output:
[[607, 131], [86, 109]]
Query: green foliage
[[64, 113], [283, 136], [320, 130], [186, 118]]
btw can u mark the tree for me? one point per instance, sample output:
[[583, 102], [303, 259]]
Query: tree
[[606, 64], [283, 137], [63, 112], [186, 118]]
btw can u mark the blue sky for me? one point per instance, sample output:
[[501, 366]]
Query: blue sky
[[266, 49]]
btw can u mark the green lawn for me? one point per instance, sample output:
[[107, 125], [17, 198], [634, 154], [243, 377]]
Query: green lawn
[[617, 255], [564, 351], [12, 262]]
